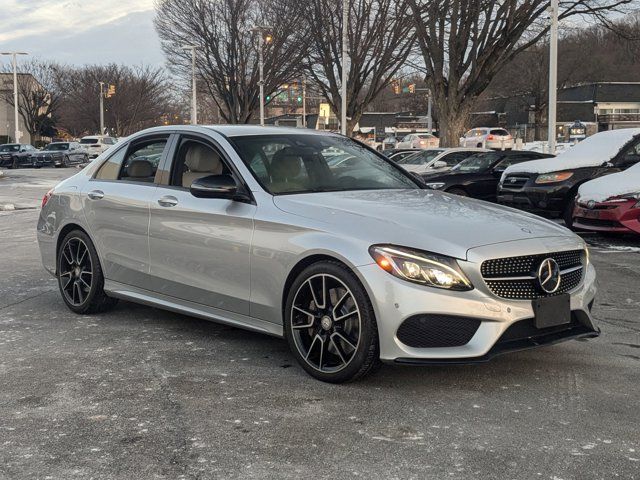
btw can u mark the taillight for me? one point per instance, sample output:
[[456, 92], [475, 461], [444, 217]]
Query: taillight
[[46, 197], [490, 137]]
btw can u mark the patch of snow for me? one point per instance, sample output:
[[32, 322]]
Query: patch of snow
[[592, 151], [614, 185]]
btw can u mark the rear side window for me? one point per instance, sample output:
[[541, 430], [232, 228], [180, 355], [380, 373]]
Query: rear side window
[[137, 163], [630, 157]]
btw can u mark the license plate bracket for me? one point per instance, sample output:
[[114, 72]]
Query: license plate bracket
[[552, 311]]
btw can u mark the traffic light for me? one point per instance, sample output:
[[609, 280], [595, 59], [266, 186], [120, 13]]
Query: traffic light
[[299, 98], [412, 88], [111, 91], [268, 98]]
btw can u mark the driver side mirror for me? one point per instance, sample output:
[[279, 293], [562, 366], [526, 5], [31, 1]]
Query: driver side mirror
[[498, 171], [607, 164], [218, 186], [439, 164]]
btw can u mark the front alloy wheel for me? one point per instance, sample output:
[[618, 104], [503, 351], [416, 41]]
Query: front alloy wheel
[[330, 324]]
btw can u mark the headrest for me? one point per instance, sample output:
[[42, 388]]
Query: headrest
[[286, 163], [200, 158], [140, 169]]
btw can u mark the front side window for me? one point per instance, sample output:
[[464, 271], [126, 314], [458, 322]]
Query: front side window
[[317, 163], [10, 148], [630, 157], [194, 160]]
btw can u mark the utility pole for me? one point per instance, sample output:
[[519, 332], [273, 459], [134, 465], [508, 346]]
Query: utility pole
[[343, 95], [262, 39], [304, 101], [553, 75], [17, 133], [429, 118], [101, 108], [194, 100]]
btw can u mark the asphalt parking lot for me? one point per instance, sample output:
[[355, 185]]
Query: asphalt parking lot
[[142, 393]]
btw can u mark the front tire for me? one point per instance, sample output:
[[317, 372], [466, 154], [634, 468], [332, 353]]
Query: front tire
[[330, 324], [80, 276]]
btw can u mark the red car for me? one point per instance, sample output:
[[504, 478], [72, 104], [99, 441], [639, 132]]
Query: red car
[[617, 214]]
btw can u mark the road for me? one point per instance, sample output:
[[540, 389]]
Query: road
[[147, 394]]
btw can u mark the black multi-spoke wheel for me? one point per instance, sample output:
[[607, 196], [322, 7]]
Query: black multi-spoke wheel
[[330, 324], [80, 276]]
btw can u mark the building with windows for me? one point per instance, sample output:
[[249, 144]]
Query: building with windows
[[7, 122]]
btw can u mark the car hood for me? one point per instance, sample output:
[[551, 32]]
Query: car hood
[[423, 219], [52, 151]]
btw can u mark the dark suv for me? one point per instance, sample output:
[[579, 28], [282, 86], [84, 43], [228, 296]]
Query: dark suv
[[14, 155], [551, 191]]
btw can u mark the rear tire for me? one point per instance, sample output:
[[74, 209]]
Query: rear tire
[[80, 277], [330, 325], [458, 191]]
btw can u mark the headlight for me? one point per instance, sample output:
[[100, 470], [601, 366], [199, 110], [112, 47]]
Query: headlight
[[554, 177], [420, 267], [436, 185]]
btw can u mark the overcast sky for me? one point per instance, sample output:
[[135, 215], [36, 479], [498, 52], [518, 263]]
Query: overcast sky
[[81, 31]]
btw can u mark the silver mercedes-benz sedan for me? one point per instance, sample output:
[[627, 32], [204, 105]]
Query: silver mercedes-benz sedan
[[353, 263]]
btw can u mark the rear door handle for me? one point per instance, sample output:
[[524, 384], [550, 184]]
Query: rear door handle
[[95, 194], [168, 201]]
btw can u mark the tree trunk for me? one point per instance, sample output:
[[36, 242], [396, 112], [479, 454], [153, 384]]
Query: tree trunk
[[453, 119]]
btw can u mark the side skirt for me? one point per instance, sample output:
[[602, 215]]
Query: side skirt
[[166, 302]]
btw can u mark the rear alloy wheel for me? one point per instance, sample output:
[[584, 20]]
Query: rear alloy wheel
[[80, 276], [65, 161], [330, 324]]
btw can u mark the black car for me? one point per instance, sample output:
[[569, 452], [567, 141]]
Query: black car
[[14, 155], [479, 174], [551, 190], [62, 154]]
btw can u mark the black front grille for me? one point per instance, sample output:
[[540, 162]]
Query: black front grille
[[515, 277], [596, 222], [514, 182], [434, 331]]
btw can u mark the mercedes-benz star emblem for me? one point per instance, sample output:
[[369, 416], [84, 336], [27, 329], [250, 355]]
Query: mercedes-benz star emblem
[[549, 275]]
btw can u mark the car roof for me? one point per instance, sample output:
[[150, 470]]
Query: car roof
[[236, 130]]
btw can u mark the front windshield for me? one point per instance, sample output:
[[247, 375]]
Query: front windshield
[[477, 163], [420, 158], [10, 148], [302, 163], [55, 147]]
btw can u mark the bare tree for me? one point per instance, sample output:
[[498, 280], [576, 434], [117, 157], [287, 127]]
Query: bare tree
[[142, 99], [38, 93], [464, 44], [380, 38], [227, 56]]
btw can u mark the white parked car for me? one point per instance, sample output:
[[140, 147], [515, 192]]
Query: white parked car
[[419, 140], [494, 138], [436, 159], [94, 145]]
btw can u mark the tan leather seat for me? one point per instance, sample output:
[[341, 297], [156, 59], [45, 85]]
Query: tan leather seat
[[140, 170], [200, 161], [286, 165]]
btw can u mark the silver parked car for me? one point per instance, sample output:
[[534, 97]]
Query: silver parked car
[[253, 227]]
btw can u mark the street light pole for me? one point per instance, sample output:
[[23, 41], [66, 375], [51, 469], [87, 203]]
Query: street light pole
[[343, 95], [194, 100], [17, 132], [304, 101], [101, 108], [260, 30], [553, 75]]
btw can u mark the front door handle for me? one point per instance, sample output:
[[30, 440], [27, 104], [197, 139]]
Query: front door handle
[[168, 201], [95, 194]]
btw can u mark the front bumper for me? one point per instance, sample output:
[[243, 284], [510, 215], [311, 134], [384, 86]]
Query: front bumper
[[395, 301], [609, 217], [543, 200]]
